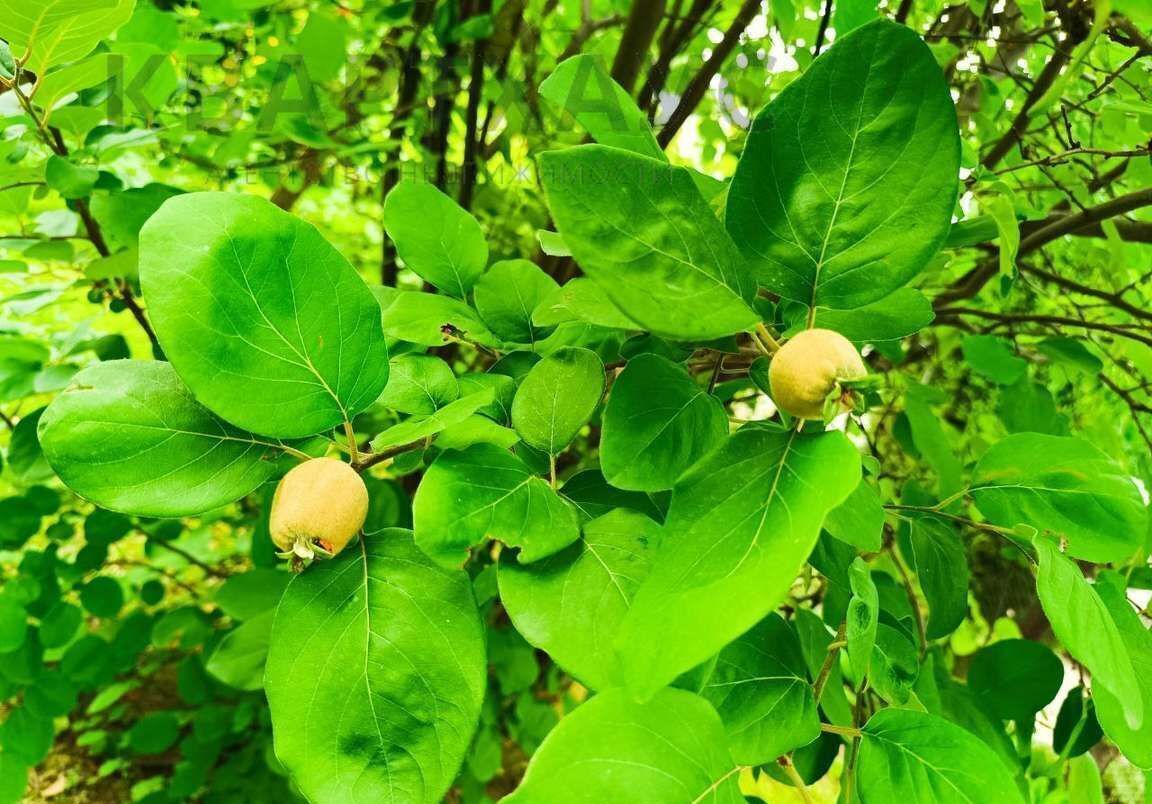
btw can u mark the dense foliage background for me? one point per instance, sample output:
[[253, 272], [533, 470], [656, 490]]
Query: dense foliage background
[[132, 648]]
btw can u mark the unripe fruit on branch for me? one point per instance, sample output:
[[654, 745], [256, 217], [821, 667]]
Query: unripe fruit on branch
[[319, 506], [809, 368]]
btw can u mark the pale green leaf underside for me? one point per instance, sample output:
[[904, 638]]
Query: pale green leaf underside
[[264, 320], [376, 674], [128, 436]]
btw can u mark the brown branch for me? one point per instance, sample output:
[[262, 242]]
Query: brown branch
[[943, 316], [678, 36], [409, 83], [643, 20], [696, 88], [472, 143], [1052, 69], [971, 283]]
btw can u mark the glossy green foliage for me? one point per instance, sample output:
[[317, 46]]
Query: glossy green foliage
[[266, 323], [397, 641], [846, 186]]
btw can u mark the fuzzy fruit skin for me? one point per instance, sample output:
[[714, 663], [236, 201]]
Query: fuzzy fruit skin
[[322, 501], [806, 369]]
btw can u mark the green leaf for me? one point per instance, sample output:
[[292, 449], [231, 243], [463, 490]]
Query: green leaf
[[557, 398], [642, 231], [130, 437], [13, 625], [1071, 352], [580, 299], [862, 619], [1014, 678], [671, 748], [264, 320], [43, 33], [760, 690], [903, 312], [249, 594], [1028, 407], [931, 439], [993, 358], [508, 293], [917, 757], [419, 384], [376, 674], [572, 604], [324, 44], [649, 439], [71, 181], [846, 185], [851, 14], [435, 237], [741, 525], [154, 733], [483, 492], [581, 86], [941, 564], [239, 658], [418, 427], [859, 520], [1067, 489], [102, 597], [1087, 630], [59, 625], [25, 457], [420, 318], [1136, 743]]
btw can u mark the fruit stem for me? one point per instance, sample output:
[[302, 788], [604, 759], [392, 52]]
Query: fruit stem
[[351, 436], [766, 336]]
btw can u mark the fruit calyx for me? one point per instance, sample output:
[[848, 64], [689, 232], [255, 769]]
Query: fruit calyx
[[319, 507]]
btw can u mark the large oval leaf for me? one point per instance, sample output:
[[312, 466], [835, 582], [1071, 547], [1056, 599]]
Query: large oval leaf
[[741, 525], [375, 675], [572, 604], [917, 757], [128, 435], [1067, 489], [642, 231], [612, 749], [847, 182], [650, 439], [267, 324]]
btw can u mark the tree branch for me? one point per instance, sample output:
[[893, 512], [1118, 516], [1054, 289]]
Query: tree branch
[[703, 78], [643, 20]]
